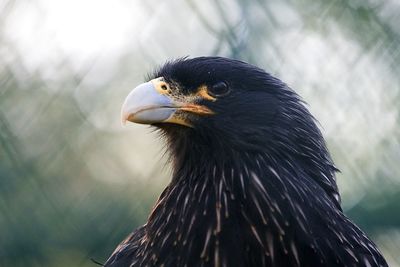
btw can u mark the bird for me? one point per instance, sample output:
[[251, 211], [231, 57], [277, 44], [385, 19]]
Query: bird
[[253, 183]]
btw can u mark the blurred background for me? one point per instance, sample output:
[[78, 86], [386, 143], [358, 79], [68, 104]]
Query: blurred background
[[74, 182]]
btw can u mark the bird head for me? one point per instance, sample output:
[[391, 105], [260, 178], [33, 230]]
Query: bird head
[[222, 101], [208, 104]]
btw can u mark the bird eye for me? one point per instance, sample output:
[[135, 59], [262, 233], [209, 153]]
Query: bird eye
[[219, 89]]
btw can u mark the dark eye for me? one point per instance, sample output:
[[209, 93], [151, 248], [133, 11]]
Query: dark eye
[[219, 89]]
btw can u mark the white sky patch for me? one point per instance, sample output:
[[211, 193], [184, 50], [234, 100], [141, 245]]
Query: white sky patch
[[80, 30]]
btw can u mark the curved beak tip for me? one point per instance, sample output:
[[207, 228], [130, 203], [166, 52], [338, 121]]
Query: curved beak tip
[[127, 117], [123, 122], [124, 117]]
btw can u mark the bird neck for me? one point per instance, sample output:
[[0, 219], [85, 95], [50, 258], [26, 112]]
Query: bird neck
[[206, 205]]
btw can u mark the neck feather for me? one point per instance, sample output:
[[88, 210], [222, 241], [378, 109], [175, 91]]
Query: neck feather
[[212, 200]]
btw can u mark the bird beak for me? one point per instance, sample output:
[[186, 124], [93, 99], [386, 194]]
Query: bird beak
[[152, 102]]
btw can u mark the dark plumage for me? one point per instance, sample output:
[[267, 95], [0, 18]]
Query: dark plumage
[[253, 183]]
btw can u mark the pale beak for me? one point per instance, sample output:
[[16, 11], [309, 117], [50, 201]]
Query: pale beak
[[146, 105], [153, 102]]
